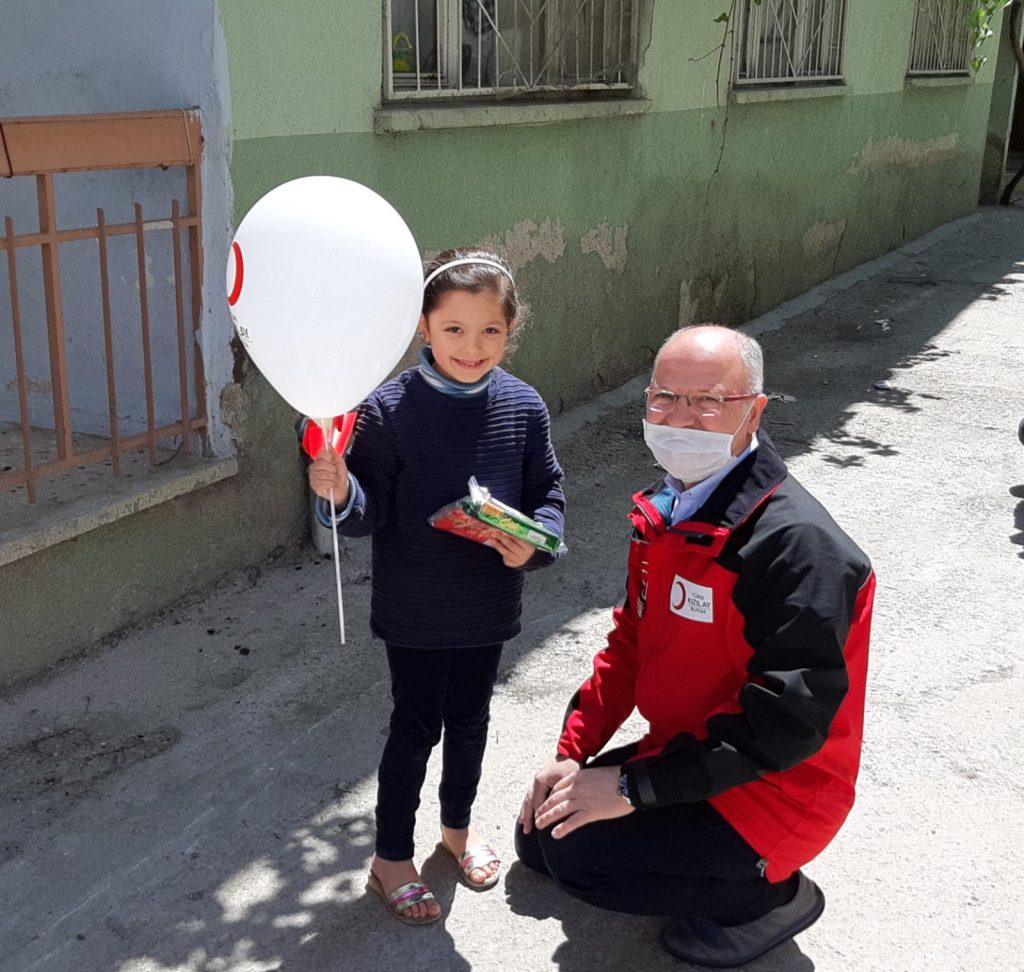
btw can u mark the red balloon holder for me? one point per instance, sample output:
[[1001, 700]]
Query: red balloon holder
[[314, 441], [336, 437]]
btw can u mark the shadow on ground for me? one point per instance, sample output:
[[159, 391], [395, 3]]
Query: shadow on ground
[[244, 843]]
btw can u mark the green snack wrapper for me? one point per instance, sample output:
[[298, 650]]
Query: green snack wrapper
[[466, 517]]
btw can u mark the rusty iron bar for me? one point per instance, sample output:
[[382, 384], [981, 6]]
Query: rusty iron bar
[[194, 189], [18, 477], [54, 315], [147, 351], [89, 232], [19, 363], [179, 308], [108, 341]]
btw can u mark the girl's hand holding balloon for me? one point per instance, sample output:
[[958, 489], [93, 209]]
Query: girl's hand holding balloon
[[329, 471], [514, 552]]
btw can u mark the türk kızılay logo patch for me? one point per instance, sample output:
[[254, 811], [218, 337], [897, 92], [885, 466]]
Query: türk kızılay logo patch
[[694, 601]]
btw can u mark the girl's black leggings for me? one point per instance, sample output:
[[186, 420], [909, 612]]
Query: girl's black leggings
[[433, 689]]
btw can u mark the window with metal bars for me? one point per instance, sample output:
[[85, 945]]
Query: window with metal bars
[[941, 40], [790, 41], [460, 48]]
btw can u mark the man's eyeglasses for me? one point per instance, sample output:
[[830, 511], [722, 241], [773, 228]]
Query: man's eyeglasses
[[661, 401]]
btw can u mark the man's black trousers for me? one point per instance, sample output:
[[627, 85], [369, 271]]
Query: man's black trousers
[[683, 861]]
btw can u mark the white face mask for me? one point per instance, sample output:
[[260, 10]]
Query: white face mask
[[691, 455]]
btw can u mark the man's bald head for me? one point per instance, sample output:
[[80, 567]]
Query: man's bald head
[[707, 342]]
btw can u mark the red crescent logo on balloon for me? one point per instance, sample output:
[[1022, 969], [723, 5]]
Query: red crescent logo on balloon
[[236, 290]]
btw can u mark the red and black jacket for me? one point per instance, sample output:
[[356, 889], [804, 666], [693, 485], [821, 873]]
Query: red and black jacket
[[743, 642]]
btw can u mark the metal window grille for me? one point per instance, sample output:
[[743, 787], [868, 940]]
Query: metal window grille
[[452, 48], [99, 354], [941, 41], [790, 41]]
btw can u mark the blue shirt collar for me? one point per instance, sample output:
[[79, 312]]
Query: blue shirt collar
[[688, 501]]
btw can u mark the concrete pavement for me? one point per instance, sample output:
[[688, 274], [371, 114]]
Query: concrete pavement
[[198, 793]]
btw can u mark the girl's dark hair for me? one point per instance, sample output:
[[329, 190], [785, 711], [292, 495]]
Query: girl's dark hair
[[474, 277]]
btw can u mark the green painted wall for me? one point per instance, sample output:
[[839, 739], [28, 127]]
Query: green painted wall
[[302, 68], [70, 597], [621, 228], [1005, 73]]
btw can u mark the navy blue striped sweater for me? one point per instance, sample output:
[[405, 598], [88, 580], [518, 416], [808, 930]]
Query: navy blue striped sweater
[[414, 449]]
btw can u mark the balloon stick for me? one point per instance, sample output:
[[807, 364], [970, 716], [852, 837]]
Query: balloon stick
[[337, 570], [325, 425]]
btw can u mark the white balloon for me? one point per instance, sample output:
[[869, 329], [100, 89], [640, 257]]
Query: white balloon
[[325, 286]]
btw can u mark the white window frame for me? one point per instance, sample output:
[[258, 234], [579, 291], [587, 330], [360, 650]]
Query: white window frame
[[940, 43], [520, 60], [789, 42]]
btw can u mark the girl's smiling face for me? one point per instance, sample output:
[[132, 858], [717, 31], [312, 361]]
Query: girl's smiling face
[[468, 334]]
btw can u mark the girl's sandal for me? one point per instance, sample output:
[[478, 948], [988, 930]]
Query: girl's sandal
[[402, 899], [476, 856]]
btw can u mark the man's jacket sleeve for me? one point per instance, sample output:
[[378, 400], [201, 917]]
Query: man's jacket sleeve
[[606, 699]]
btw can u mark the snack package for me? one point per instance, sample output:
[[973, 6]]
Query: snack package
[[470, 516]]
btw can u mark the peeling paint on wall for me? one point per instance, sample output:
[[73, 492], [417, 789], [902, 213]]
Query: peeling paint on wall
[[687, 305], [37, 386], [701, 298], [526, 241], [904, 153], [609, 243], [821, 237], [720, 292], [725, 298], [234, 408]]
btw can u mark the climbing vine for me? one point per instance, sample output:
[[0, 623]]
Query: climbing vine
[[979, 23]]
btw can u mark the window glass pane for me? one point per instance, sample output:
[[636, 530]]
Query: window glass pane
[[414, 42]]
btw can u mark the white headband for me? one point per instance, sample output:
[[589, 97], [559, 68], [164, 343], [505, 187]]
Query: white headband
[[459, 263]]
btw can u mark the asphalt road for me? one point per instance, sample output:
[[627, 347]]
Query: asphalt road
[[197, 794]]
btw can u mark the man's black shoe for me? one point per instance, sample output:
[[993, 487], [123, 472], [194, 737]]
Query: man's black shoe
[[704, 942]]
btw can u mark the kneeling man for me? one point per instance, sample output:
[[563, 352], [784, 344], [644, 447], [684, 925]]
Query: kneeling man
[[743, 642]]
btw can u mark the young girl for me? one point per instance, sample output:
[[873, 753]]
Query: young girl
[[444, 605]]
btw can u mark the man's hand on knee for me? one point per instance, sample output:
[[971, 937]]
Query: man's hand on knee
[[581, 797], [553, 771]]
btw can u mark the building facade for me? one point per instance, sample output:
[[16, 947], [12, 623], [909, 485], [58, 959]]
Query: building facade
[[642, 164]]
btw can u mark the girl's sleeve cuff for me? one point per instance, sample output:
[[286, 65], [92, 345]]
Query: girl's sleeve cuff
[[323, 507]]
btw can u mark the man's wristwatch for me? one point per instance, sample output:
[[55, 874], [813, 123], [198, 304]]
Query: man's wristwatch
[[624, 787]]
